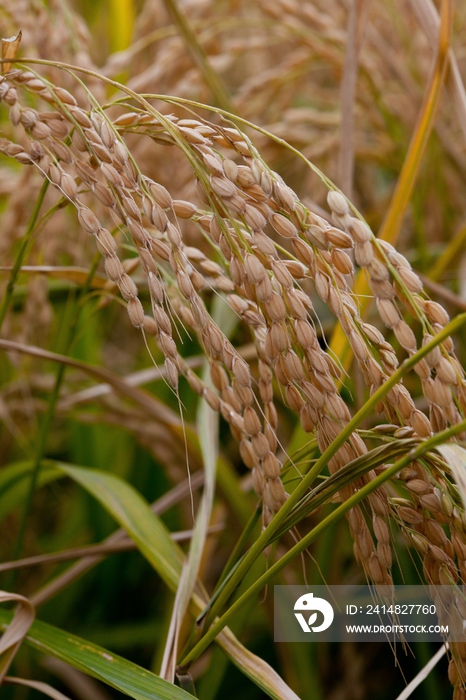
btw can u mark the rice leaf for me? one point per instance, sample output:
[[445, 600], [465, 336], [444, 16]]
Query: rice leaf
[[129, 678], [132, 512]]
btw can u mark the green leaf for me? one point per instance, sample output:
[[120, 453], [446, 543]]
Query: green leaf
[[99, 663], [153, 539], [132, 512]]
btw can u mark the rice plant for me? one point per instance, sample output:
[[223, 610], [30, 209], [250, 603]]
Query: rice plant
[[256, 214]]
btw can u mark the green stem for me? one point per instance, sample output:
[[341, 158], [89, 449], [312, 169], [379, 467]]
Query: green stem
[[319, 496], [22, 253], [47, 422], [343, 477], [237, 549], [316, 531], [199, 56], [323, 460]]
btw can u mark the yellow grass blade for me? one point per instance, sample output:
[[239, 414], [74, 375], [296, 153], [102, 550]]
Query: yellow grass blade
[[391, 225], [121, 27], [404, 188], [455, 247]]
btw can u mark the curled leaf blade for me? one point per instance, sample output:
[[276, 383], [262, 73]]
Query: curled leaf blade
[[10, 48]]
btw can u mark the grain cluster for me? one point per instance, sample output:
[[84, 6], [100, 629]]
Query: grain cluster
[[261, 247]]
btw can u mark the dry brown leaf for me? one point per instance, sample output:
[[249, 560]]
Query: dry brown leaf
[[10, 49], [16, 630], [455, 456]]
